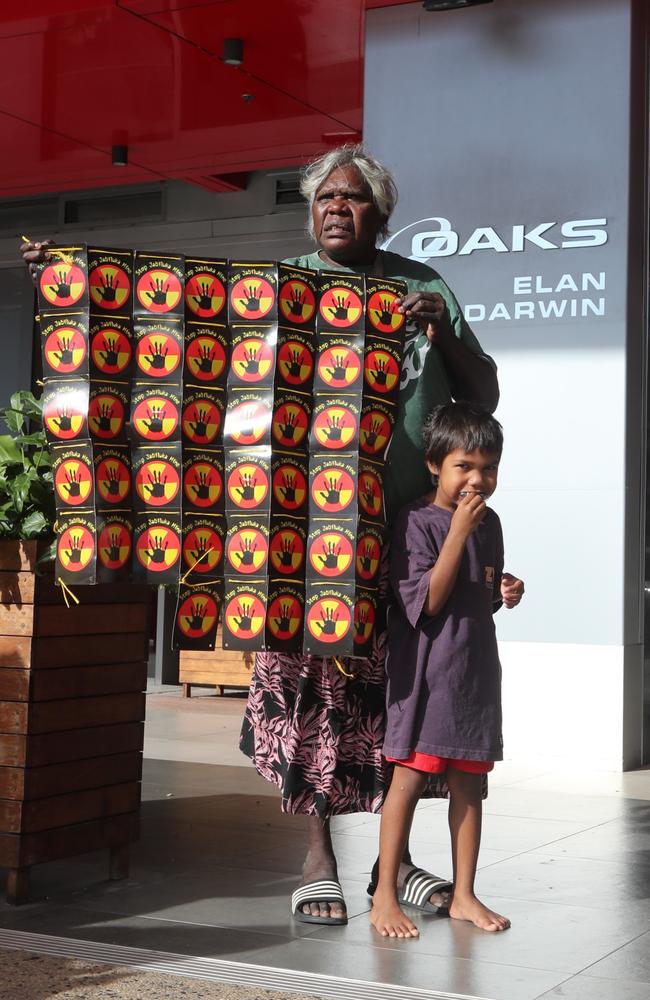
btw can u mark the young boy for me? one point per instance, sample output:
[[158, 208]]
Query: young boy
[[444, 676]]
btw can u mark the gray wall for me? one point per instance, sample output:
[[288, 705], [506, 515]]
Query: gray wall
[[513, 115]]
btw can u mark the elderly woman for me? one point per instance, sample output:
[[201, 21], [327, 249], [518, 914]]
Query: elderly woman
[[310, 729]]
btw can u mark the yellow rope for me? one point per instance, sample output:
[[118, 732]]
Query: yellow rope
[[67, 592], [339, 666], [194, 565]]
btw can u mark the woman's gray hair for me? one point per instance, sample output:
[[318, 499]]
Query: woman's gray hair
[[377, 177]]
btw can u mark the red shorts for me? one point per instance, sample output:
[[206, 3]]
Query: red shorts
[[438, 765]]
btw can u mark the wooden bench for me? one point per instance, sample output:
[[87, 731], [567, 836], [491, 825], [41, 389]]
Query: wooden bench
[[220, 668]]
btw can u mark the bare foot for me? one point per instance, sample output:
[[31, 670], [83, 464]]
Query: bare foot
[[387, 918], [472, 909], [436, 898]]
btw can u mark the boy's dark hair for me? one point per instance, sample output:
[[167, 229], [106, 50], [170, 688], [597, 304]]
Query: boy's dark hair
[[460, 425]]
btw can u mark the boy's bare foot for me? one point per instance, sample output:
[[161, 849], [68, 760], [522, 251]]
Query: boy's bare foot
[[472, 909], [441, 899], [387, 918]]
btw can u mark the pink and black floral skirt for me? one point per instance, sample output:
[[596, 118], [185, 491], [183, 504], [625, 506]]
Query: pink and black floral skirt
[[318, 735]]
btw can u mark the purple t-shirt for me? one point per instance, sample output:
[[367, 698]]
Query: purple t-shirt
[[444, 676]]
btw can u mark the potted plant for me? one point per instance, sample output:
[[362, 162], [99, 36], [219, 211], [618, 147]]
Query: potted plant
[[71, 681], [27, 511]]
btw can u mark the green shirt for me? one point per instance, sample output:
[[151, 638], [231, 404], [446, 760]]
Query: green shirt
[[424, 383]]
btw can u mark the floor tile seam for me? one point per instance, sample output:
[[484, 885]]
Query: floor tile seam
[[613, 952], [284, 939], [548, 993], [550, 819], [576, 857], [643, 866], [443, 954]]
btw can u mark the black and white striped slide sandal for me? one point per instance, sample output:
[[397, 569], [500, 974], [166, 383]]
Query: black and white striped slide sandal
[[419, 886], [317, 892]]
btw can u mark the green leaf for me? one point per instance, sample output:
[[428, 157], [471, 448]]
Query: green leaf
[[9, 450], [20, 491], [34, 524]]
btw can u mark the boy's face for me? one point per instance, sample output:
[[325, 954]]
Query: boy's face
[[465, 472]]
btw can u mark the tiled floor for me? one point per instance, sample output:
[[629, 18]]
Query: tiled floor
[[567, 857]]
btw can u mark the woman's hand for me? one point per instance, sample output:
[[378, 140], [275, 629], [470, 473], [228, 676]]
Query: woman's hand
[[429, 310], [34, 254], [512, 590]]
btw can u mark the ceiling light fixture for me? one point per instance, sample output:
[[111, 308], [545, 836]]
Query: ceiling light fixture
[[435, 5], [233, 51], [120, 156]]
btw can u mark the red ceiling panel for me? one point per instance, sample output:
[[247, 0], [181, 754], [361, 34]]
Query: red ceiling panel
[[77, 76]]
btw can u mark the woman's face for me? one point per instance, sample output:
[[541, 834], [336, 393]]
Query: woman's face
[[346, 219]]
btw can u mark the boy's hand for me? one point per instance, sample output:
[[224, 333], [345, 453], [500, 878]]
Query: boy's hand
[[512, 590], [468, 514]]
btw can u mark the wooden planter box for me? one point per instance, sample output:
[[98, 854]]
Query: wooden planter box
[[72, 707], [221, 668]]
